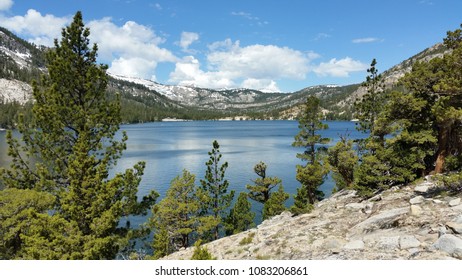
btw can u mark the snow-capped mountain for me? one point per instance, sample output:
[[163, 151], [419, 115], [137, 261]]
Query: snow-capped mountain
[[20, 62]]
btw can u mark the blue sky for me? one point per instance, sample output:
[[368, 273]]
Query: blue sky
[[270, 45]]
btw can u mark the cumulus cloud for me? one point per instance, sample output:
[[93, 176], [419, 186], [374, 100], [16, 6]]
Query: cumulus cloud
[[264, 85], [133, 49], [188, 72], [366, 40], [258, 61], [42, 29], [339, 68], [187, 38], [254, 66], [134, 67], [5, 5]]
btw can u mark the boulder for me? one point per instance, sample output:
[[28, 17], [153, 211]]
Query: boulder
[[449, 244], [389, 242], [423, 188], [384, 219], [408, 241], [454, 202], [416, 210], [354, 245], [417, 200], [333, 245]]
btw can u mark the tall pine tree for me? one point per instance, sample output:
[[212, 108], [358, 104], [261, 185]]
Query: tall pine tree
[[311, 175], [214, 196], [70, 146]]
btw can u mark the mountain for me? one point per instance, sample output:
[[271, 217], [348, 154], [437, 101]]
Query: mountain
[[144, 100], [234, 101]]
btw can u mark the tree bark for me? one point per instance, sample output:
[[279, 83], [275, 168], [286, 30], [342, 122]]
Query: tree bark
[[441, 153]]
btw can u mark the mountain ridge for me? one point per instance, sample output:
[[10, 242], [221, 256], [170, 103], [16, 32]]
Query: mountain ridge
[[24, 62]]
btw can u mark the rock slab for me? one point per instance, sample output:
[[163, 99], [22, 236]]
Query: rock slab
[[449, 244]]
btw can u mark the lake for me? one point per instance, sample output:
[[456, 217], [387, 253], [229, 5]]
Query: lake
[[169, 147]]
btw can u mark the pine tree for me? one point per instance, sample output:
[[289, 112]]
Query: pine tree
[[311, 175], [438, 82], [260, 192], [343, 161], [201, 253], [176, 216], [367, 110], [161, 241], [241, 217], [69, 147], [214, 196], [374, 172], [275, 204], [28, 232], [301, 203]]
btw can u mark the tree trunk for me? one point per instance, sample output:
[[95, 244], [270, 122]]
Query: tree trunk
[[441, 153]]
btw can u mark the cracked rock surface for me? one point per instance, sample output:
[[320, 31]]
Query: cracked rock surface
[[411, 222]]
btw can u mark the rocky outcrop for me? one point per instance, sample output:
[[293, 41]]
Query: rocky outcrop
[[411, 222], [14, 90]]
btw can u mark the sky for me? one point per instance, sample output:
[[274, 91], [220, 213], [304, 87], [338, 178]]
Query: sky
[[269, 45]]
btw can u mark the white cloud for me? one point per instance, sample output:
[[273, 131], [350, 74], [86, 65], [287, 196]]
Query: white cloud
[[5, 5], [339, 68], [255, 66], [187, 38], [250, 17], [133, 48], [41, 29], [366, 40], [264, 85], [188, 72], [133, 67], [321, 36], [157, 6], [258, 61]]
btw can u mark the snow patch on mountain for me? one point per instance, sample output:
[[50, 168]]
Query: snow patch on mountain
[[14, 91], [177, 93]]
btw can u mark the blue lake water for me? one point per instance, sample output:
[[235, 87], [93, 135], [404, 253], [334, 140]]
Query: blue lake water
[[169, 147]]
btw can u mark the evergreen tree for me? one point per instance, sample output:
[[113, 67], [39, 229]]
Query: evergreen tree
[[176, 216], [69, 147], [161, 241], [240, 217], [201, 253], [260, 192], [438, 84], [343, 160], [275, 204], [28, 232], [301, 203], [214, 196], [374, 172], [368, 109], [311, 175]]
